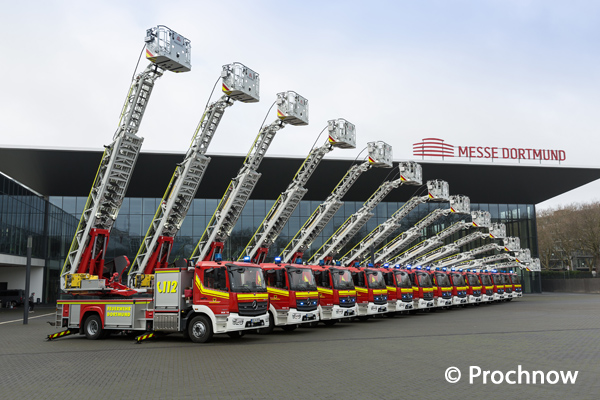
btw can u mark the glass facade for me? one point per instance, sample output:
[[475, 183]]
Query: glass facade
[[24, 213], [137, 213]]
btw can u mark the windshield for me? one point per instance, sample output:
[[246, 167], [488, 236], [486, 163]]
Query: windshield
[[342, 279], [442, 279], [486, 280], [402, 280], [246, 279], [473, 280], [302, 279], [458, 280], [505, 279], [375, 279], [498, 280], [424, 279], [515, 279]]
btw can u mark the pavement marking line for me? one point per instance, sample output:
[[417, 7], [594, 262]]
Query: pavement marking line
[[21, 320]]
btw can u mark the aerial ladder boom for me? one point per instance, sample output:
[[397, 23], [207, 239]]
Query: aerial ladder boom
[[510, 244], [238, 83], [291, 109], [437, 190], [458, 204], [479, 219], [410, 173], [496, 231], [342, 134], [380, 155], [166, 50]]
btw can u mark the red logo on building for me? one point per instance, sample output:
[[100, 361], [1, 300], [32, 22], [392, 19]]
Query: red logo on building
[[433, 147]]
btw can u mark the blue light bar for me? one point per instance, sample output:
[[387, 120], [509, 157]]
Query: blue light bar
[[246, 258], [218, 257], [277, 260]]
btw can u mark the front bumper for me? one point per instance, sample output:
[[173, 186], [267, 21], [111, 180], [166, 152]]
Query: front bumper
[[517, 294], [441, 302], [235, 322], [486, 298], [300, 317], [422, 304], [336, 312], [458, 300], [371, 309], [498, 297], [474, 299], [399, 305]]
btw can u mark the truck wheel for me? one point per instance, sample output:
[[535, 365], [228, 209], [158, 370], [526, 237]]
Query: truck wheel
[[268, 329], [92, 327], [236, 334], [200, 329]]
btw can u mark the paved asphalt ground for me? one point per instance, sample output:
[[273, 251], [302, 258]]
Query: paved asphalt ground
[[385, 358]]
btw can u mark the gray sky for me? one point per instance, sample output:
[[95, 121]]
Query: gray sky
[[504, 73]]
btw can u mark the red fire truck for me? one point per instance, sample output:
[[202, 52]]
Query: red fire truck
[[212, 297], [293, 295], [371, 291], [442, 287], [516, 282], [422, 288], [487, 285], [337, 295], [473, 286], [498, 281], [459, 287], [399, 288]]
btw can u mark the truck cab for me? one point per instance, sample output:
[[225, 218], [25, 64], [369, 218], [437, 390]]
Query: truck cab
[[422, 288], [442, 287], [474, 287], [498, 282], [371, 290], [337, 295], [293, 295], [232, 294], [459, 287], [399, 287], [508, 286], [487, 286], [516, 282]]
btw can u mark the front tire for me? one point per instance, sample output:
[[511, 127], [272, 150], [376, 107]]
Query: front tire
[[200, 329], [92, 327], [268, 329]]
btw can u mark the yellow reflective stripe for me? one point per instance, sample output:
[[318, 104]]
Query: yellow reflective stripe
[[406, 290], [80, 302], [302, 294], [489, 287], [461, 288], [251, 296], [379, 291], [208, 292], [391, 288], [425, 290], [415, 288], [361, 290], [347, 292], [325, 291], [476, 287], [279, 292]]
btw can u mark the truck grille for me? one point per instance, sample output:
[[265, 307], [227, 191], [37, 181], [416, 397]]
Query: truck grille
[[379, 300], [252, 308], [428, 296], [347, 301], [307, 304]]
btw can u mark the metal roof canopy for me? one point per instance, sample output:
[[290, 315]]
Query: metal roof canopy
[[64, 172]]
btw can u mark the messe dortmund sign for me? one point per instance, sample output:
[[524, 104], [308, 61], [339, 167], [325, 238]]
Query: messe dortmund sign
[[433, 147]]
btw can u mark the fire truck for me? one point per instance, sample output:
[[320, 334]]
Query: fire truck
[[459, 288], [474, 287], [337, 294], [371, 291], [293, 295], [487, 285], [442, 287], [399, 287], [422, 286]]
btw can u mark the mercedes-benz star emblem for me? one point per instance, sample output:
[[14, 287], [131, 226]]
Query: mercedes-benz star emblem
[[254, 305]]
